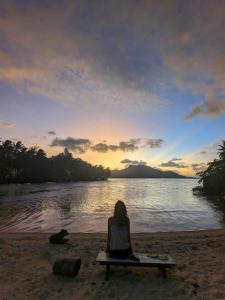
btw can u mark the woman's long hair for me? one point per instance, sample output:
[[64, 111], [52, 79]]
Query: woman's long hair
[[120, 213]]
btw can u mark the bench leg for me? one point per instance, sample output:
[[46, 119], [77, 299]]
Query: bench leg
[[107, 272], [163, 272]]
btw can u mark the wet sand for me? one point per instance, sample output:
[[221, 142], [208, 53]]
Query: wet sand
[[26, 261]]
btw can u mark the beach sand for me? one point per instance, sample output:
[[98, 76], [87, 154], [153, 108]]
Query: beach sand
[[26, 261]]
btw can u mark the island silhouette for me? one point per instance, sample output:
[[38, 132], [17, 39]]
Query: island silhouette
[[142, 171]]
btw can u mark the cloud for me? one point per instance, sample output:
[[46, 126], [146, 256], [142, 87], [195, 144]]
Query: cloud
[[211, 149], [52, 132], [82, 145], [128, 146], [173, 164], [79, 146], [96, 54], [103, 148], [203, 152], [7, 125], [200, 73], [210, 108], [198, 167], [84, 60], [153, 143], [133, 162]]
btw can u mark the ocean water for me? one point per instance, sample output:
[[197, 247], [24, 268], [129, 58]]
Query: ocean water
[[153, 205]]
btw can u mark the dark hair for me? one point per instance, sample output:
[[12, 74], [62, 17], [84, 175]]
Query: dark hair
[[120, 213]]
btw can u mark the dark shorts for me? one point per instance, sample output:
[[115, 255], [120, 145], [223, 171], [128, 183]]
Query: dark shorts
[[121, 254]]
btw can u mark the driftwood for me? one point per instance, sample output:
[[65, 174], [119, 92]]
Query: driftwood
[[67, 267]]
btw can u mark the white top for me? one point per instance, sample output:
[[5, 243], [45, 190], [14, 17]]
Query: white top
[[119, 238]]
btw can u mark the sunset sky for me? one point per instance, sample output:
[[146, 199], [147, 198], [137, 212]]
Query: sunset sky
[[116, 82]]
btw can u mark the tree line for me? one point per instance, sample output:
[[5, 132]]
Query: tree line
[[213, 178], [19, 164]]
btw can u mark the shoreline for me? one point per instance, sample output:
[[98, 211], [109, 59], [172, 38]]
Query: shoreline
[[27, 259], [209, 231], [93, 180], [216, 231]]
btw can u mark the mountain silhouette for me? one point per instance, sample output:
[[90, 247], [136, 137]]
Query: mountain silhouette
[[142, 171]]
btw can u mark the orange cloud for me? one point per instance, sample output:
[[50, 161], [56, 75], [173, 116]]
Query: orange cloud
[[7, 125]]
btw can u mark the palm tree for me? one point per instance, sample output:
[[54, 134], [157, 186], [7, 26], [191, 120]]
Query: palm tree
[[221, 151], [21, 164], [213, 178]]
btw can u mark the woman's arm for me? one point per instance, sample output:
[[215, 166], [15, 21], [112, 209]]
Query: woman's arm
[[128, 225], [109, 235]]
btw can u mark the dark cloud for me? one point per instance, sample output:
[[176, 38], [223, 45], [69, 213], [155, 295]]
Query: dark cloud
[[198, 167], [136, 141], [114, 147], [203, 152], [128, 146], [196, 110], [153, 143], [52, 132], [76, 145], [173, 164], [133, 162], [82, 145], [210, 108], [103, 147], [176, 159], [210, 149]]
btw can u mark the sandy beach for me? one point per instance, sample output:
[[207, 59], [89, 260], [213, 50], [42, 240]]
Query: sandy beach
[[26, 261]]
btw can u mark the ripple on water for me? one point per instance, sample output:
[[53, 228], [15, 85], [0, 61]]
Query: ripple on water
[[152, 204]]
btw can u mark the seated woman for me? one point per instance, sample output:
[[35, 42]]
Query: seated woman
[[119, 243]]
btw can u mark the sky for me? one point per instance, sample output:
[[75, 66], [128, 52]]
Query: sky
[[116, 82]]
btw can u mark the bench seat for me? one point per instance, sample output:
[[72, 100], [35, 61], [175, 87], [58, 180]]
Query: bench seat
[[146, 260]]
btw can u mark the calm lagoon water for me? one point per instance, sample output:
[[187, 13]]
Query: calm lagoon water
[[153, 205]]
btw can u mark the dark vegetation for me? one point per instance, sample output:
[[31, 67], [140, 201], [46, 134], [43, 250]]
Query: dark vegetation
[[19, 164], [213, 178], [141, 171]]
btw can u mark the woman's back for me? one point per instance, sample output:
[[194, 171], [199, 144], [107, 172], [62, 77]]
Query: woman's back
[[118, 242], [119, 235]]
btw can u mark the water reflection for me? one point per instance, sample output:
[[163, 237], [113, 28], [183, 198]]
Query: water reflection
[[153, 205], [217, 205]]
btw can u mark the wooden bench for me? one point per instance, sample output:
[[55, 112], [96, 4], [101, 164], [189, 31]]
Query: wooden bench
[[162, 262]]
